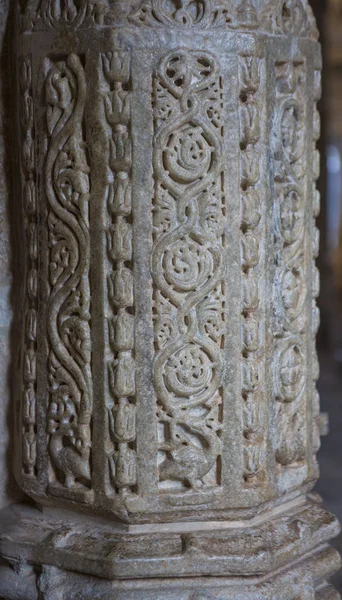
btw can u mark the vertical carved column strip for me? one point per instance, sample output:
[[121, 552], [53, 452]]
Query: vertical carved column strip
[[290, 295], [188, 269], [121, 368], [69, 362], [252, 253], [315, 274], [28, 175], [143, 65]]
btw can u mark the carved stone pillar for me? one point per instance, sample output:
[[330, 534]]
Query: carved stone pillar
[[166, 396]]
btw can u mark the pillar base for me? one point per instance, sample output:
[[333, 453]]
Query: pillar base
[[282, 554], [305, 580]]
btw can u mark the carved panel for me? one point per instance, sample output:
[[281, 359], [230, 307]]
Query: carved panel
[[187, 267], [28, 179], [69, 362], [252, 249], [292, 16], [121, 410], [290, 288], [315, 252], [40, 14], [180, 290], [273, 16]]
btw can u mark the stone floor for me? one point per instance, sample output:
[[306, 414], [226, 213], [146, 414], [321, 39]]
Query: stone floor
[[330, 456]]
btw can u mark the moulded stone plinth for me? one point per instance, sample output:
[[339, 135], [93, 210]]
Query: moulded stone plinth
[[305, 580], [214, 549]]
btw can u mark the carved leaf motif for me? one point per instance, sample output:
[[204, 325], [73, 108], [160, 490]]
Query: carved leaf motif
[[290, 444], [121, 331], [29, 198], [29, 406], [28, 176], [126, 467], [121, 368], [117, 67], [122, 418], [120, 287], [31, 325], [291, 373]]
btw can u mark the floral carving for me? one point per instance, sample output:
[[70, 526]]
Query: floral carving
[[38, 14], [121, 369], [28, 177], [279, 17], [289, 17], [252, 235], [67, 187], [187, 267], [290, 287], [201, 13], [315, 274]]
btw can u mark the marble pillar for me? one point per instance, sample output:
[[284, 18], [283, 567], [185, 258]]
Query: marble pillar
[[167, 417]]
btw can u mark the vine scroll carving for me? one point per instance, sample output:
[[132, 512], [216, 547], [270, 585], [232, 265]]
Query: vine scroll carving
[[67, 186], [188, 272]]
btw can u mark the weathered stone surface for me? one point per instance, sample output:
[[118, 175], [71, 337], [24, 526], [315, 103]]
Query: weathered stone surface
[[259, 547], [175, 272], [167, 381], [299, 582]]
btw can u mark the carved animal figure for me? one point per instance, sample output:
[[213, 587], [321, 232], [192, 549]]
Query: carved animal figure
[[69, 460], [69, 443], [189, 462]]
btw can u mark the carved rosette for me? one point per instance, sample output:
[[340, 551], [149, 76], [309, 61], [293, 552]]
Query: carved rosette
[[29, 196]]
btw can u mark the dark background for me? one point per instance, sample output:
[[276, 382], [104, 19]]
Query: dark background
[[329, 19]]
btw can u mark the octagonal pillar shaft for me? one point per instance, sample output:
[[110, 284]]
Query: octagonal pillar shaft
[[167, 382]]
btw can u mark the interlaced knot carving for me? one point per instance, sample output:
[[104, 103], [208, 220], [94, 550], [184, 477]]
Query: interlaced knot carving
[[188, 267]]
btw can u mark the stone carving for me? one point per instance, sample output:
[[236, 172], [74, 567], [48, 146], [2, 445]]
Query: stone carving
[[187, 263], [290, 279], [122, 411], [28, 177], [38, 14], [200, 13], [252, 226], [168, 362], [291, 17], [315, 318], [67, 187], [129, 555]]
